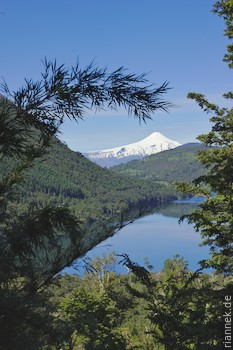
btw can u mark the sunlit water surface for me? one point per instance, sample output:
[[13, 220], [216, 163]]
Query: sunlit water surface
[[158, 237]]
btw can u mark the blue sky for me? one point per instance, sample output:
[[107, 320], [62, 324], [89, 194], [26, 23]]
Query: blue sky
[[178, 41]]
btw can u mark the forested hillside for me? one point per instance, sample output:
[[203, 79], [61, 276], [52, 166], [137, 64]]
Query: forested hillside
[[172, 309], [179, 164], [66, 177], [54, 204]]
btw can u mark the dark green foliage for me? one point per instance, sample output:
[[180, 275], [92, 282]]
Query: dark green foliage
[[184, 308], [70, 92], [176, 310], [95, 316], [92, 310], [40, 233], [214, 218], [179, 164], [224, 8], [64, 176]]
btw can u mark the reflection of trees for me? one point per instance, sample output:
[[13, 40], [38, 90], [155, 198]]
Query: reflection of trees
[[176, 210], [38, 241], [172, 209]]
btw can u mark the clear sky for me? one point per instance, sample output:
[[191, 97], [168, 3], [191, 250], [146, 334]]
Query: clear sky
[[179, 41]]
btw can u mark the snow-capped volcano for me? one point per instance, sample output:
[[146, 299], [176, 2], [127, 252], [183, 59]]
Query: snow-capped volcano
[[154, 143]]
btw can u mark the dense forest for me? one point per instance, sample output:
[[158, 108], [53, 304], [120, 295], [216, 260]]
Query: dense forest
[[55, 205], [179, 164], [171, 309], [63, 176]]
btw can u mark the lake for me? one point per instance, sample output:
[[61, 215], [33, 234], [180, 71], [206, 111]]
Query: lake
[[158, 237]]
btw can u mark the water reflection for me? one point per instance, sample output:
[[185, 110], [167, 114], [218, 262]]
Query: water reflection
[[179, 207], [158, 236], [176, 210]]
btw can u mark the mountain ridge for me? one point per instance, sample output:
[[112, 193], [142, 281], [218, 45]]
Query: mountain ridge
[[65, 177], [178, 164], [152, 144]]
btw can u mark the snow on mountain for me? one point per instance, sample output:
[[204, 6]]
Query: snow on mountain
[[154, 143]]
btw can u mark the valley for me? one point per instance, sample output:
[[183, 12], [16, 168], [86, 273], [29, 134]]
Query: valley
[[65, 177], [178, 164]]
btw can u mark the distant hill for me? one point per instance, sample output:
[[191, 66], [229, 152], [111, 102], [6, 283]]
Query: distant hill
[[154, 143], [66, 177], [179, 164]]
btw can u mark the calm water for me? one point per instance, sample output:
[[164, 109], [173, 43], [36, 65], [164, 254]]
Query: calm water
[[158, 236]]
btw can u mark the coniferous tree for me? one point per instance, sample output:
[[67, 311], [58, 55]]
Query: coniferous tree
[[183, 307], [214, 218], [37, 242]]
